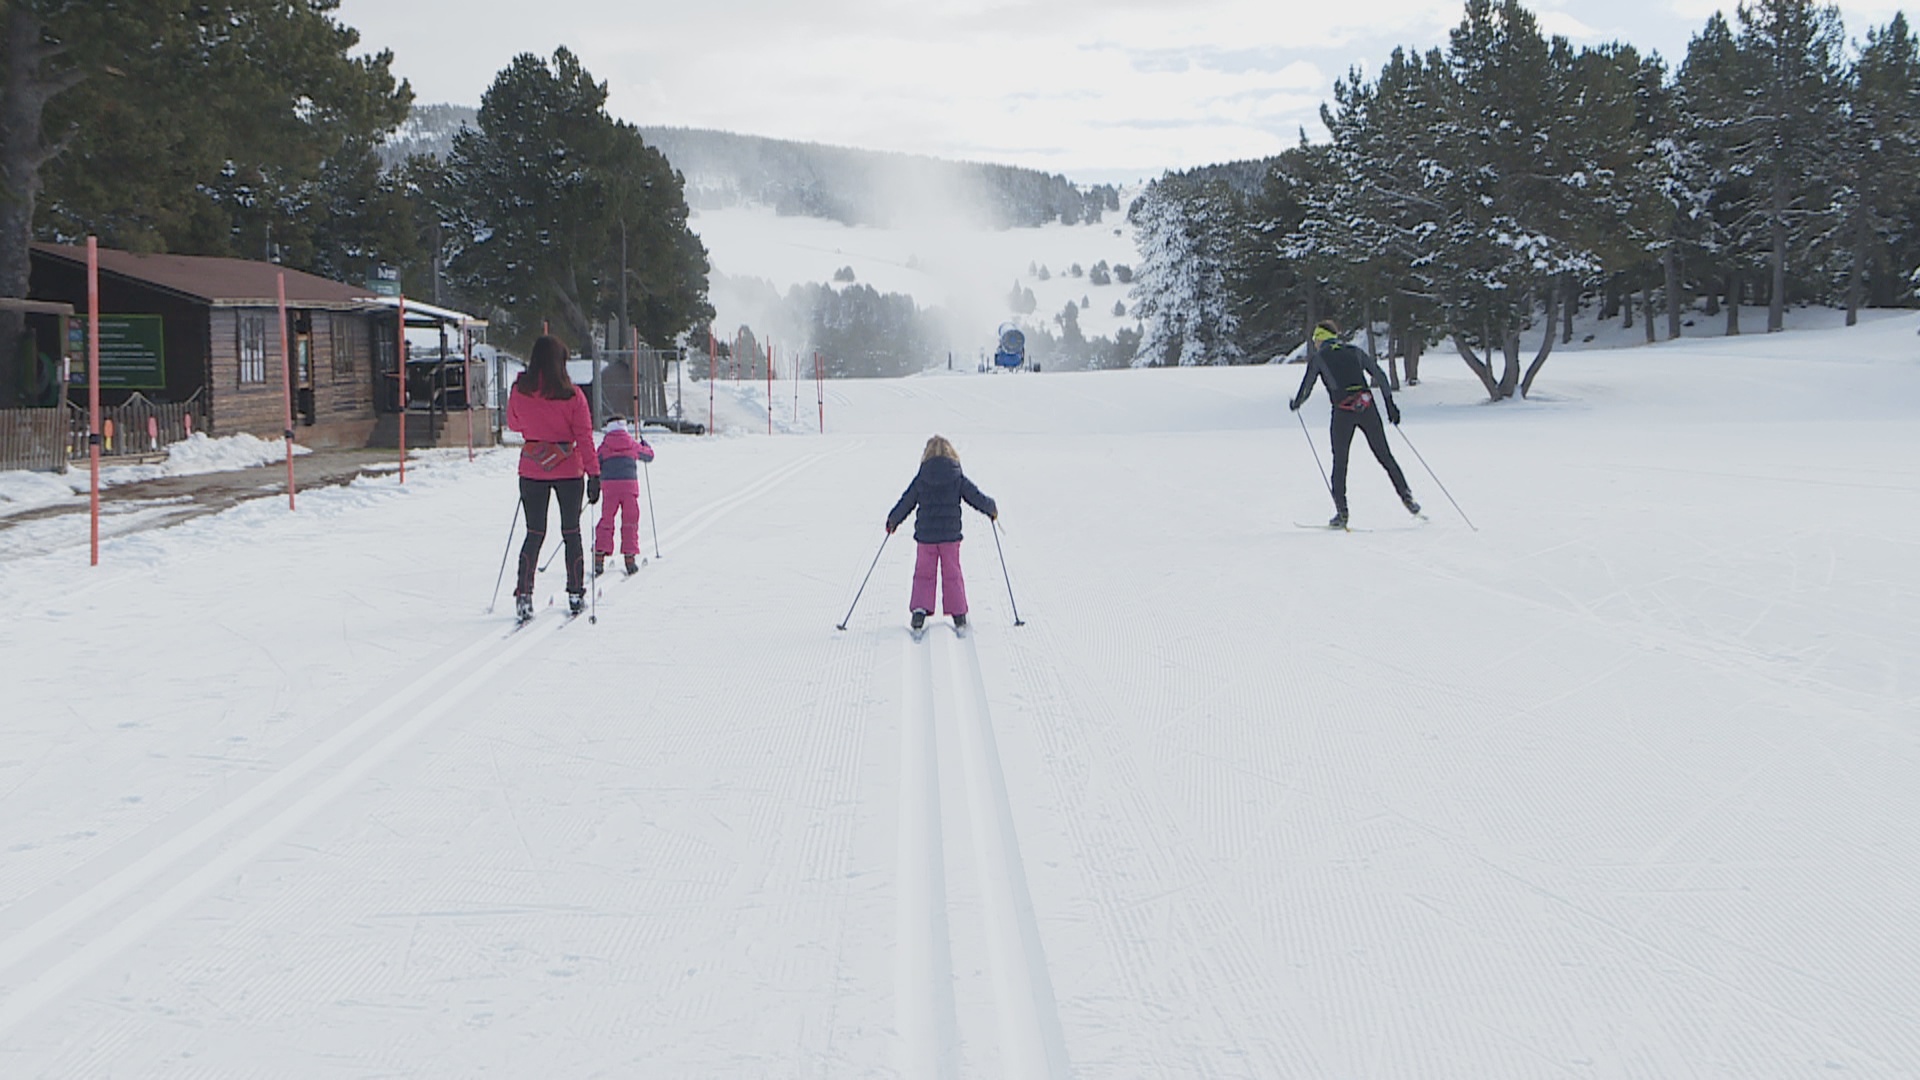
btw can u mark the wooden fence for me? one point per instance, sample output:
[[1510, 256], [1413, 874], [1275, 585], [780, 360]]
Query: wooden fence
[[33, 439], [137, 427], [45, 440]]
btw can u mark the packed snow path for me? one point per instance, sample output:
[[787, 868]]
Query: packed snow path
[[1621, 785]]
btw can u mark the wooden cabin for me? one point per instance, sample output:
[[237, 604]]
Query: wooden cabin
[[203, 332]]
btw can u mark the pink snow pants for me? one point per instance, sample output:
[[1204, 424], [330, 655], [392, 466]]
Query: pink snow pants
[[944, 558], [620, 497]]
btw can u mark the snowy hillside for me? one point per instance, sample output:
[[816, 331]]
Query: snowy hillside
[[969, 271], [1619, 785]]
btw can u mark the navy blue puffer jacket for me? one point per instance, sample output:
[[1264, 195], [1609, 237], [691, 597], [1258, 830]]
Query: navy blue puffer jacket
[[937, 491]]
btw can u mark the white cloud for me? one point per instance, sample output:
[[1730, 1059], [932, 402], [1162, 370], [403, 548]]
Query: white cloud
[[1062, 85]]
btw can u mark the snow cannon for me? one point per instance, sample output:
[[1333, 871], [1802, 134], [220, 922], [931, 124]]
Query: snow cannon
[[1012, 352]]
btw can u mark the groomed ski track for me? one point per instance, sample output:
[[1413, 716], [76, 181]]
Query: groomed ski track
[[1618, 786]]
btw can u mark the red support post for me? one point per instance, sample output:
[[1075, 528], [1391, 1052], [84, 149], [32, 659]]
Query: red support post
[[820, 392], [286, 385], [712, 351], [400, 353], [636, 379], [466, 361], [93, 387], [769, 387]]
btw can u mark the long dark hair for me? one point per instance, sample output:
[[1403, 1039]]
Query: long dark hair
[[546, 374]]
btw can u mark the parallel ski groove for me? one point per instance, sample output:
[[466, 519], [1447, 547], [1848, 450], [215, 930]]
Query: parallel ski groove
[[1031, 1042], [455, 678], [923, 967]]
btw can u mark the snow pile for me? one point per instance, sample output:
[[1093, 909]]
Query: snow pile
[[23, 490], [195, 455]]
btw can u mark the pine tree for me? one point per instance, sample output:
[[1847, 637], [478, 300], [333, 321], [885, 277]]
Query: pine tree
[[245, 127], [542, 195], [1881, 165], [1180, 292]]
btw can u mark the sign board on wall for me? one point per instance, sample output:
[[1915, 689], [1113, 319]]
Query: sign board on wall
[[133, 351]]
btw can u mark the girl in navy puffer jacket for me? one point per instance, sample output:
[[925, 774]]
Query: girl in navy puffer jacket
[[937, 491], [621, 455]]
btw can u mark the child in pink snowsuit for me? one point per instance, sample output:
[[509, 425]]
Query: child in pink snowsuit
[[936, 492], [620, 456]]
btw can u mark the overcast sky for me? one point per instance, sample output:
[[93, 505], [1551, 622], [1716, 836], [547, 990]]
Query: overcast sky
[[1096, 89]]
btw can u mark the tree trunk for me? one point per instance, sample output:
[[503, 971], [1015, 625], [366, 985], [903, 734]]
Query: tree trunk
[[1670, 260], [1648, 313], [1736, 292], [1857, 277], [1546, 347], [1609, 296], [1313, 308], [1415, 345], [1626, 307], [1483, 369], [1568, 307], [1510, 355], [25, 90], [1777, 302]]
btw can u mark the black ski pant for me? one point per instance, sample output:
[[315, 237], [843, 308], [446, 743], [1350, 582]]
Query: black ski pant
[[533, 498], [1367, 420]]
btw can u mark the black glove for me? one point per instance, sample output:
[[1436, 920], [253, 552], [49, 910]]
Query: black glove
[[1293, 406], [593, 487], [890, 527], [1393, 414]]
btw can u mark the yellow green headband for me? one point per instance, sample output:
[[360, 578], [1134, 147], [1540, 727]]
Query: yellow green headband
[[1321, 333]]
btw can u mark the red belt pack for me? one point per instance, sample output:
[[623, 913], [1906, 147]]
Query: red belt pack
[[547, 455], [1356, 402]]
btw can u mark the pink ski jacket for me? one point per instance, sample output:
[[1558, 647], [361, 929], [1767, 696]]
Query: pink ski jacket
[[559, 436]]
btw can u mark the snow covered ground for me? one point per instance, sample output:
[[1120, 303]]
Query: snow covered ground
[[195, 455], [1620, 785]]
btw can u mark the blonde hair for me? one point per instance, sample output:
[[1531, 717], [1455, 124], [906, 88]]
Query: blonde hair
[[938, 446]]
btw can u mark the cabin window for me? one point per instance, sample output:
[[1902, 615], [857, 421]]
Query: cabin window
[[346, 349], [253, 349]]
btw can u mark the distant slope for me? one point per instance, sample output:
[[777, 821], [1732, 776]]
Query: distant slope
[[856, 187], [428, 131], [868, 187]]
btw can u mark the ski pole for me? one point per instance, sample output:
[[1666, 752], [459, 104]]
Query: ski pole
[[1017, 620], [511, 529], [1436, 479], [1316, 454], [651, 519], [593, 609], [863, 581]]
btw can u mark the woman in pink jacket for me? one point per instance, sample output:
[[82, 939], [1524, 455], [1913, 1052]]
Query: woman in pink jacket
[[545, 407]]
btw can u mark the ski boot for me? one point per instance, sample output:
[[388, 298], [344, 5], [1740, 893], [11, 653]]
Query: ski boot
[[633, 567], [599, 563], [522, 607], [1338, 521], [1412, 507], [919, 618], [960, 622], [576, 603]]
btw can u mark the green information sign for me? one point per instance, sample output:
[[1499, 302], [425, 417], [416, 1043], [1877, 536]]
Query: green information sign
[[133, 351]]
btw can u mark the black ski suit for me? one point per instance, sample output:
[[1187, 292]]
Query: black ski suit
[[1345, 369]]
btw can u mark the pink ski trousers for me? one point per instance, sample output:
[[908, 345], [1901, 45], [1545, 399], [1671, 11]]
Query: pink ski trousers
[[945, 559], [620, 497]]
